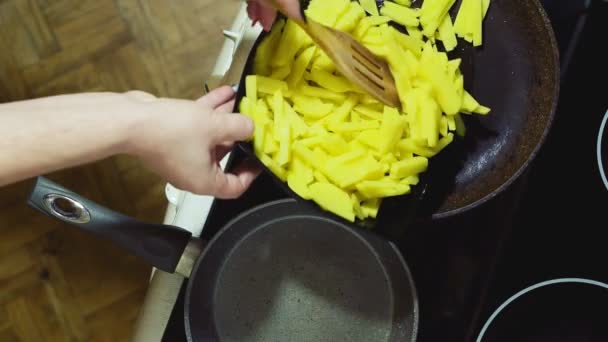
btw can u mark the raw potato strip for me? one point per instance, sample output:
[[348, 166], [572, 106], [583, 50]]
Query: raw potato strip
[[486, 6], [330, 81], [432, 14], [367, 23], [476, 22], [299, 67], [327, 12], [292, 39], [349, 20], [446, 34], [400, 14], [369, 6], [468, 24], [266, 49]]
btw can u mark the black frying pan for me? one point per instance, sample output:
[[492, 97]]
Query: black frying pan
[[516, 73], [278, 272]]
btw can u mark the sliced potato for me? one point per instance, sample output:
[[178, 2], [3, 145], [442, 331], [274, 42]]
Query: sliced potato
[[370, 6], [332, 198], [400, 14]]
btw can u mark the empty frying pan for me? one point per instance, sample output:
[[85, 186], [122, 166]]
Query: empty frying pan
[[515, 73], [278, 272]]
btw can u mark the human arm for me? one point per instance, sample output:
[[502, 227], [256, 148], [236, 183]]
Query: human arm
[[181, 140]]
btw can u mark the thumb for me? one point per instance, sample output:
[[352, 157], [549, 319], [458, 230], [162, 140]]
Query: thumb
[[233, 185]]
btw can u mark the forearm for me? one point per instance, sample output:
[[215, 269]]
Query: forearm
[[48, 134]]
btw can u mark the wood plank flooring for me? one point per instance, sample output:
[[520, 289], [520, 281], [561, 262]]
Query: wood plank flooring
[[57, 283]]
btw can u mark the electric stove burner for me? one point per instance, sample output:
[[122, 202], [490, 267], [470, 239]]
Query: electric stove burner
[[602, 147]]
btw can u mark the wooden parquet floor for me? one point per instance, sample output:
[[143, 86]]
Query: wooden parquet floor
[[57, 283]]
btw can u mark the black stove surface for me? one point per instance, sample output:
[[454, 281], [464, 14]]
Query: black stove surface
[[560, 231], [454, 261]]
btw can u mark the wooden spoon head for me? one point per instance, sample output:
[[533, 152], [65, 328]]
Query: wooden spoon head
[[356, 62]]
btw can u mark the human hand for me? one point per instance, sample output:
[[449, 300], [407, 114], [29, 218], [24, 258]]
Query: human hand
[[265, 11], [184, 141]]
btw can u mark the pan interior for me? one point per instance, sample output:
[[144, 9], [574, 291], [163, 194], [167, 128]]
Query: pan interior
[[515, 73], [300, 279]]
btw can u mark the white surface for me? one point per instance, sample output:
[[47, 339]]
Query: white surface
[[240, 30], [185, 209]]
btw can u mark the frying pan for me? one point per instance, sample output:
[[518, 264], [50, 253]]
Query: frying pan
[[515, 73], [277, 272]]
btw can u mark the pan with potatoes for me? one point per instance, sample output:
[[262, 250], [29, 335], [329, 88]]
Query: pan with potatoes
[[463, 75]]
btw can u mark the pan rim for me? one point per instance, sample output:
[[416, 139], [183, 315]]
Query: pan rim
[[208, 247], [552, 40], [414, 291], [352, 230]]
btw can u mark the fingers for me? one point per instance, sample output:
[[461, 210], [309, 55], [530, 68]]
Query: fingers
[[227, 107], [291, 8], [233, 127], [265, 12], [222, 150], [233, 185], [261, 11], [266, 16], [217, 97], [253, 10]]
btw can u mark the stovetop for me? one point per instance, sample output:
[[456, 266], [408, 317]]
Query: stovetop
[[560, 231], [464, 266]]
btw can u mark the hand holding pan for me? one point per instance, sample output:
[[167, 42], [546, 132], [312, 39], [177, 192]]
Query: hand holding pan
[[278, 272], [515, 73]]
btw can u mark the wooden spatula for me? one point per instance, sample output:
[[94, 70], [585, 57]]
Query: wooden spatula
[[356, 62]]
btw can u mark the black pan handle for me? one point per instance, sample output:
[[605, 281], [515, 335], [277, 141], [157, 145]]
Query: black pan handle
[[160, 245]]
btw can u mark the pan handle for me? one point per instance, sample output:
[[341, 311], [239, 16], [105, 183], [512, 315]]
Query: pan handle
[[160, 245]]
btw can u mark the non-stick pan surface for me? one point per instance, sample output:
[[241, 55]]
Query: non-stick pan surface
[[515, 73], [299, 276]]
